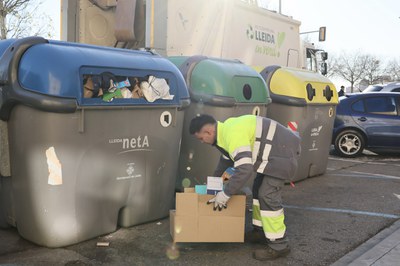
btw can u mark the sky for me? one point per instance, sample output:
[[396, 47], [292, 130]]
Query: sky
[[52, 8], [366, 26]]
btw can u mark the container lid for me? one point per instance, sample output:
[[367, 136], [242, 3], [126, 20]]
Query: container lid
[[34, 68], [228, 80], [299, 87], [56, 68]]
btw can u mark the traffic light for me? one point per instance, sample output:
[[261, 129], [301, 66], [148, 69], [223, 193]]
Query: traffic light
[[322, 34]]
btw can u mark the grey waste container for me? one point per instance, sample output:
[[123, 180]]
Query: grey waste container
[[221, 88], [7, 215], [306, 102], [85, 155]]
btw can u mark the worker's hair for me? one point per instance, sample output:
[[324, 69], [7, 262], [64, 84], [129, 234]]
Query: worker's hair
[[199, 121]]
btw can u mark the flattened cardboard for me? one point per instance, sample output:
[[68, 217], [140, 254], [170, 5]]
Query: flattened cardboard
[[195, 221]]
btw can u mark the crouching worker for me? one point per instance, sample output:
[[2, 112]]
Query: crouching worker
[[254, 144]]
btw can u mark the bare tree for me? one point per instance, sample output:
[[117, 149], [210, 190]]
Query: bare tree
[[21, 18], [373, 69], [393, 70], [350, 67]]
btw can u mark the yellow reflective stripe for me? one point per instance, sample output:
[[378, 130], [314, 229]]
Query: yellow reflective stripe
[[245, 160], [265, 156], [273, 223], [258, 127], [241, 149], [271, 131], [256, 213]]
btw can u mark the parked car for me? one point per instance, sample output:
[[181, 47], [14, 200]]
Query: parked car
[[373, 88], [367, 120], [389, 87], [392, 87]]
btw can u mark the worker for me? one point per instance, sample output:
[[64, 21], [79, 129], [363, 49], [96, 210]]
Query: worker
[[251, 144]]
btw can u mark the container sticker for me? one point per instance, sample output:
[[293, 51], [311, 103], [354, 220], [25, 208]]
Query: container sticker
[[166, 119], [256, 110], [54, 166], [292, 125]]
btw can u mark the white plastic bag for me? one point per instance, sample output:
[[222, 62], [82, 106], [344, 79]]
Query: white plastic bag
[[155, 88]]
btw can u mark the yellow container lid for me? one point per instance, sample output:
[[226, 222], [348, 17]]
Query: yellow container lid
[[313, 87]]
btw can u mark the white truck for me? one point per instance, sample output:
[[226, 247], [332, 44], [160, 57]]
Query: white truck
[[230, 29]]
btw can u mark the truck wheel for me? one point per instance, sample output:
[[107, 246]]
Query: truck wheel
[[349, 143]]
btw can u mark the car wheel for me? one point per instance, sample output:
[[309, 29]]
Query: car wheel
[[349, 143]]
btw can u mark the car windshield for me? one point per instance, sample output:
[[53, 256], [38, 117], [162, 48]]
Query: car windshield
[[372, 88]]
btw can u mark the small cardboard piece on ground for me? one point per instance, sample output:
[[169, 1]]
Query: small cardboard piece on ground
[[196, 221]]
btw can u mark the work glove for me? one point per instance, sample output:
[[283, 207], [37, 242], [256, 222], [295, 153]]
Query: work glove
[[219, 201]]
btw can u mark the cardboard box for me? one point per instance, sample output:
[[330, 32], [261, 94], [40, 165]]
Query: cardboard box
[[195, 221]]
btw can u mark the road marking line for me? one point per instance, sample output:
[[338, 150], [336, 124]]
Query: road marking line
[[376, 214], [368, 175], [342, 159], [365, 162], [377, 175]]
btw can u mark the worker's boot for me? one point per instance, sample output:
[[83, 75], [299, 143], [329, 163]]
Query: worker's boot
[[267, 253], [256, 236]]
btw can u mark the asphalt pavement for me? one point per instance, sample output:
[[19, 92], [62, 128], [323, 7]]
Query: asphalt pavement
[[348, 216], [381, 250]]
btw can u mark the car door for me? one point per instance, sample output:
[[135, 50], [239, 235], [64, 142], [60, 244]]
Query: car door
[[380, 120]]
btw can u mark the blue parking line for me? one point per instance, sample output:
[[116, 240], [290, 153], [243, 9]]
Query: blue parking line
[[376, 214]]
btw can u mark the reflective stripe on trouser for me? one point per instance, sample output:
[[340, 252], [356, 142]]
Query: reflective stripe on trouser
[[267, 206], [272, 222]]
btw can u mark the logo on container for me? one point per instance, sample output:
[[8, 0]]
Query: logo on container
[[139, 142]]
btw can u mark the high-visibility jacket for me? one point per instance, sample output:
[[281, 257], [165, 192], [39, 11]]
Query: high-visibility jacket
[[257, 144]]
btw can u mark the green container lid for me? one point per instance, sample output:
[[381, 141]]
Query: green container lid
[[208, 78]]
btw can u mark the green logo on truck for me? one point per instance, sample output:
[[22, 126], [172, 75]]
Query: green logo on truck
[[268, 41]]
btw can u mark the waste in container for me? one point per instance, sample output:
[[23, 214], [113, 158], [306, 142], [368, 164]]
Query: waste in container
[[305, 102], [223, 89], [94, 137]]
